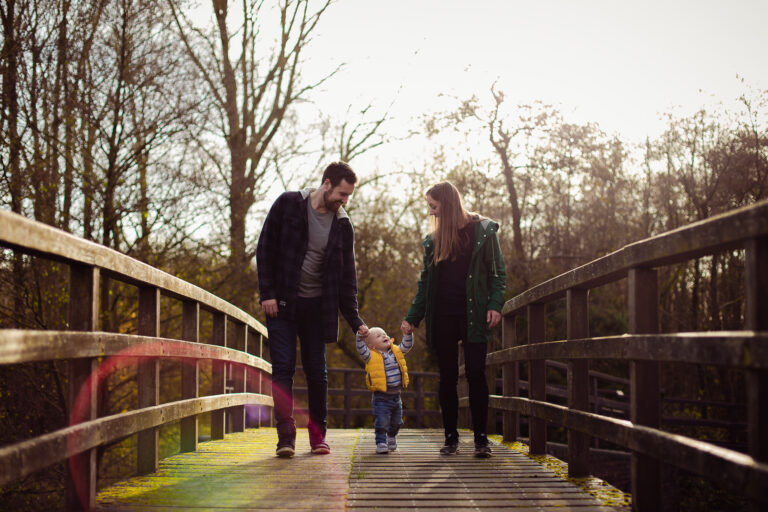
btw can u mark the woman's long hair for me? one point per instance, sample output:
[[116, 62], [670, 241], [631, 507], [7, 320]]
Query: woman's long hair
[[452, 217]]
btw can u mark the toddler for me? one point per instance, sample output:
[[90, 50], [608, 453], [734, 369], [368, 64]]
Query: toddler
[[385, 374]]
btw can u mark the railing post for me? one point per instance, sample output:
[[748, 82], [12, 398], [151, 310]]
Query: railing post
[[260, 384], [347, 399], [239, 378], [148, 379], [490, 382], [578, 380], [510, 379], [756, 275], [537, 378], [644, 383], [218, 375], [190, 375], [80, 487], [419, 401]]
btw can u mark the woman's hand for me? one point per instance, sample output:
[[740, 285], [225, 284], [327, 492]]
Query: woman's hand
[[406, 327], [362, 331], [493, 318]]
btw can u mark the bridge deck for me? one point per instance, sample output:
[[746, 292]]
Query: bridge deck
[[242, 473]]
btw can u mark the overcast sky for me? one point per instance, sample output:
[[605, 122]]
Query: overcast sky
[[615, 62]]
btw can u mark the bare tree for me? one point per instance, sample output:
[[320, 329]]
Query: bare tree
[[250, 96]]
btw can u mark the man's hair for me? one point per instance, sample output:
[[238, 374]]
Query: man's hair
[[338, 171]]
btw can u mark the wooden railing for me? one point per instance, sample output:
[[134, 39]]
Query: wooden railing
[[645, 349], [414, 406], [238, 368]]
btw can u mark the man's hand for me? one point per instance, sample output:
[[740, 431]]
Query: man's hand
[[269, 307], [406, 327], [362, 331], [493, 318]]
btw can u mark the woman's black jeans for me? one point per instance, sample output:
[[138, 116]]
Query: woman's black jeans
[[446, 333]]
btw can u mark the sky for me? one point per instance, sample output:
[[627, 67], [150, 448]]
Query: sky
[[615, 62]]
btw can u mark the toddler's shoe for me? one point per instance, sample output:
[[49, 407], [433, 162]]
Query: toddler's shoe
[[391, 443], [382, 448]]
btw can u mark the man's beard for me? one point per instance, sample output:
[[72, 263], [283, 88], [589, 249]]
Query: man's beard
[[332, 206]]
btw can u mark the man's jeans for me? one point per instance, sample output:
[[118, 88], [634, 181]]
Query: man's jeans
[[282, 346], [387, 415]]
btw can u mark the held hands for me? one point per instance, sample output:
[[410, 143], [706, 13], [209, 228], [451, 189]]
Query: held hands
[[493, 318], [362, 331], [406, 327]]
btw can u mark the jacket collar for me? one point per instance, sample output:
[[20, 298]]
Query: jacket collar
[[341, 214]]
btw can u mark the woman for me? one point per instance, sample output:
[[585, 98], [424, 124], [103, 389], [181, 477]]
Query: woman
[[460, 293]]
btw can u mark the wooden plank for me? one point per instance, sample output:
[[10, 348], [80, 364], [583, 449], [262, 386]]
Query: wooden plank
[[743, 349], [242, 473], [24, 346]]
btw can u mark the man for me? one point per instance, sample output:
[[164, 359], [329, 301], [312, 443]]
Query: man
[[306, 267]]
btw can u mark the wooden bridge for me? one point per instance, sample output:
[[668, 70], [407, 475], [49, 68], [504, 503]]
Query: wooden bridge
[[414, 476]]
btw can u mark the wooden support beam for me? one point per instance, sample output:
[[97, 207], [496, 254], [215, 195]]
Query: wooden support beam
[[83, 391], [239, 378], [148, 379], [510, 379], [577, 313], [537, 377], [645, 404], [190, 375], [756, 277], [218, 375]]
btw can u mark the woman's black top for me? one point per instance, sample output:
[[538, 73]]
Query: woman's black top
[[451, 296]]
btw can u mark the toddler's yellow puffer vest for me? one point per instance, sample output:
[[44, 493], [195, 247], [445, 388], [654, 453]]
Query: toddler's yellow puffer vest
[[376, 376]]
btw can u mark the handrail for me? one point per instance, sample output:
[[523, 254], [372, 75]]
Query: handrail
[[645, 348], [31, 237], [238, 373]]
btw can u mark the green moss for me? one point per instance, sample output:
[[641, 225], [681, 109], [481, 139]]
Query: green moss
[[600, 489]]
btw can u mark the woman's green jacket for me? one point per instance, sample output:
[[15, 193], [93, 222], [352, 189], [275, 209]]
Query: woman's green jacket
[[486, 282]]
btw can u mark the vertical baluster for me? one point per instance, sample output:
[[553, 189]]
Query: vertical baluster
[[83, 315], [756, 275], [537, 377], [260, 384], [238, 378], [218, 375], [190, 374], [419, 400], [490, 381], [347, 399], [148, 378], [578, 381], [510, 378], [644, 383]]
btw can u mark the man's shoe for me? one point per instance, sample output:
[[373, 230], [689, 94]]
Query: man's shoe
[[391, 443], [285, 449], [321, 448], [382, 448], [482, 451]]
